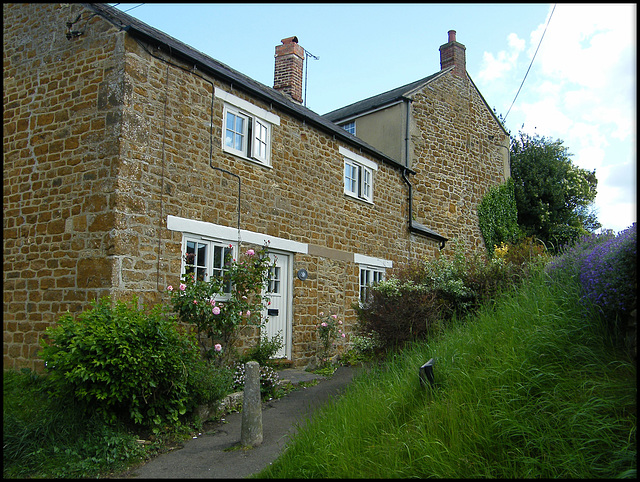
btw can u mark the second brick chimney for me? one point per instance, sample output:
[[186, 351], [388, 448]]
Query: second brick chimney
[[288, 71], [453, 54]]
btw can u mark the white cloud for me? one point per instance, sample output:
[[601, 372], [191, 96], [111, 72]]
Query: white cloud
[[581, 89], [495, 67]]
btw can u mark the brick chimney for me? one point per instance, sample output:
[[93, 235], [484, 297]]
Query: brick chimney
[[453, 54], [289, 64]]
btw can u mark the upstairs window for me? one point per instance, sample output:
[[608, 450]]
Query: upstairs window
[[358, 176], [247, 136], [247, 129], [350, 127]]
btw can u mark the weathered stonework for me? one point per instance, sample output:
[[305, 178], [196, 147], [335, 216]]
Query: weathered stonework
[[105, 136]]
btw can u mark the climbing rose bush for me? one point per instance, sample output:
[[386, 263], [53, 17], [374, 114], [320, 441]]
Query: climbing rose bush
[[329, 330], [217, 307]]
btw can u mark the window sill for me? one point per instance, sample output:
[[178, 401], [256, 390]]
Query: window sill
[[355, 198], [249, 159]]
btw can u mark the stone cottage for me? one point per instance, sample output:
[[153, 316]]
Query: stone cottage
[[125, 149]]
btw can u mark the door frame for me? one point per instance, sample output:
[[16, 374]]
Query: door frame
[[287, 287]]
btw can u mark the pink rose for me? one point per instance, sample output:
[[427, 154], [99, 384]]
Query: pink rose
[[183, 286], [169, 288], [250, 252], [335, 317], [212, 302], [218, 347], [323, 324], [215, 310]]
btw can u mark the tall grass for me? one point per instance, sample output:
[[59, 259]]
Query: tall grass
[[46, 436], [527, 387]]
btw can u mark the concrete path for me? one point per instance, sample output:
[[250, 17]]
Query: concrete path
[[216, 454]]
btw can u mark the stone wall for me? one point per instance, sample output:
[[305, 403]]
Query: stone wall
[[459, 152], [61, 102], [104, 139]]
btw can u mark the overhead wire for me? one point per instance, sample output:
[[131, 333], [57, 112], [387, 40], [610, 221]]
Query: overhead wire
[[534, 57]]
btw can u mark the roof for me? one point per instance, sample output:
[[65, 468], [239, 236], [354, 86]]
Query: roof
[[394, 95], [240, 81], [399, 93]]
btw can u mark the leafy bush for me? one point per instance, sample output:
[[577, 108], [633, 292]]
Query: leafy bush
[[329, 330], [364, 349], [44, 436], [398, 311], [426, 296], [208, 383], [264, 350], [126, 363], [498, 216]]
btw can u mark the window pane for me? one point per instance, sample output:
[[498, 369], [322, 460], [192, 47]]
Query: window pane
[[234, 135], [261, 138], [195, 259], [350, 177], [366, 183]]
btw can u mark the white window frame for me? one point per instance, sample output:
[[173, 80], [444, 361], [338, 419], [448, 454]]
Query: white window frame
[[358, 175], [368, 276], [370, 265], [256, 132], [207, 267], [350, 127]]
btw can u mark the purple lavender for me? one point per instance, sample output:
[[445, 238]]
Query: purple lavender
[[606, 267]]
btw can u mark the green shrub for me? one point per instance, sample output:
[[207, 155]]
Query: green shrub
[[424, 297], [498, 216], [44, 435], [398, 311], [264, 350], [121, 362], [208, 383]]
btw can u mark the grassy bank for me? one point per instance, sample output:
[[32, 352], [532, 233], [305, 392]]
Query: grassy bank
[[529, 387]]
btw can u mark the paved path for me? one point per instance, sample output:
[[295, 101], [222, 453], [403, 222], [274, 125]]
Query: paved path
[[209, 455]]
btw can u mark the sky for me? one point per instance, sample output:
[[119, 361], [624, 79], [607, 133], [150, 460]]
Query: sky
[[580, 84]]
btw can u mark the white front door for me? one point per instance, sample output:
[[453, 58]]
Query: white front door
[[278, 313]]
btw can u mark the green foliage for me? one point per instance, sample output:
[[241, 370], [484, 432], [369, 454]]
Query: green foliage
[[423, 298], [329, 330], [124, 363], [498, 216], [364, 349], [264, 350], [526, 388], [218, 306], [606, 267], [554, 198], [45, 436]]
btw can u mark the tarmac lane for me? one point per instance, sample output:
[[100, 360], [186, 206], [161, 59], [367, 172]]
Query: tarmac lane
[[217, 453]]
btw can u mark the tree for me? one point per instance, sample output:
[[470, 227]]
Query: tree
[[554, 198]]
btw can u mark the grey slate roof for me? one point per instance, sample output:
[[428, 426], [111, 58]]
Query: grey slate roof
[[221, 71], [379, 100]]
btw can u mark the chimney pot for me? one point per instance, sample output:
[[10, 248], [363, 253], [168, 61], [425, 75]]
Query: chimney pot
[[452, 35]]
